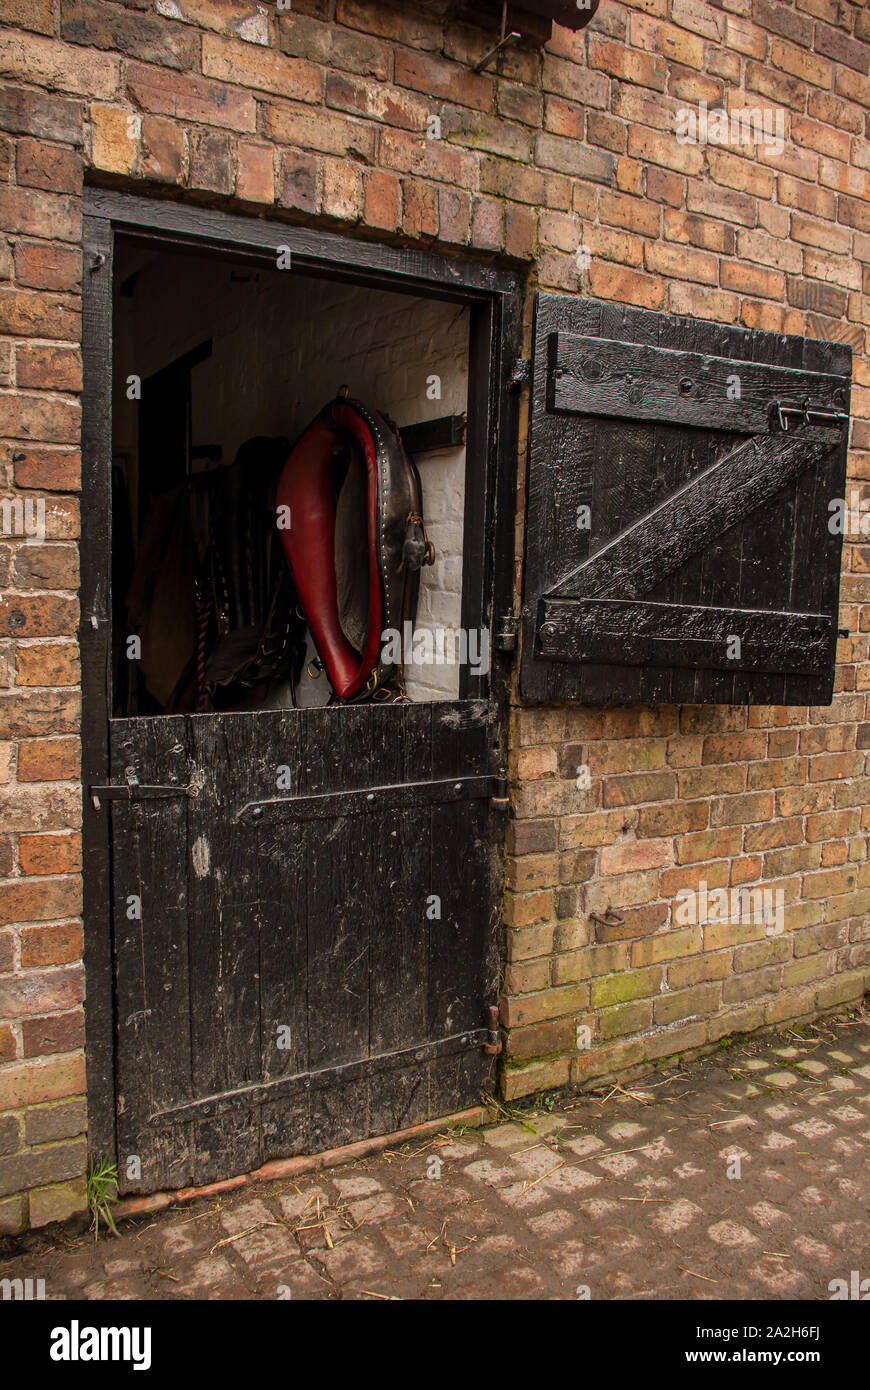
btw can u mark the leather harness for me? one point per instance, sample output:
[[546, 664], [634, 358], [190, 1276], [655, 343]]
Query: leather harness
[[346, 435]]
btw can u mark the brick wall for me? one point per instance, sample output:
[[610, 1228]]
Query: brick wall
[[320, 114]]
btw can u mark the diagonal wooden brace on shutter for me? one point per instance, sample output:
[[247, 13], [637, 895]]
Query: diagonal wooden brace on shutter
[[607, 628]]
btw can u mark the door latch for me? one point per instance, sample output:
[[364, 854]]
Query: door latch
[[131, 789]]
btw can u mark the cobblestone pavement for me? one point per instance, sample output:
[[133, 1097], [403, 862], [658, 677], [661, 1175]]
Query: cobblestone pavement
[[625, 1193]]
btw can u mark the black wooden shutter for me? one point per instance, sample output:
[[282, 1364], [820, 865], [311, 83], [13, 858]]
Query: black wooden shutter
[[678, 545]]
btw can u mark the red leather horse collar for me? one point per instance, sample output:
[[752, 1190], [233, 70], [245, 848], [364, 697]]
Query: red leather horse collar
[[390, 500]]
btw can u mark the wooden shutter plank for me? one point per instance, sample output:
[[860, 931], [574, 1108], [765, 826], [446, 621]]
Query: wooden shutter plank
[[685, 636], [640, 557], [601, 376]]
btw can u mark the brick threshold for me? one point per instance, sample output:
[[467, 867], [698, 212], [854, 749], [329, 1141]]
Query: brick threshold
[[304, 1163]]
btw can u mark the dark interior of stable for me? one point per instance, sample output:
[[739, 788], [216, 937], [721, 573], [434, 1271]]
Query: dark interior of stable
[[218, 362]]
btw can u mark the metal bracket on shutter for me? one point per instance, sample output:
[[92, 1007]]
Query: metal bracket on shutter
[[808, 414]]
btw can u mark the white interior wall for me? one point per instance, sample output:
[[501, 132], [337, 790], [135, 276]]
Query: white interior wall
[[283, 344]]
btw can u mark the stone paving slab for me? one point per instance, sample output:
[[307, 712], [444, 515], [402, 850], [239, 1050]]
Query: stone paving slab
[[744, 1175]]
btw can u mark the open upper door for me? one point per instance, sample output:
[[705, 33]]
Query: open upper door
[[683, 542]]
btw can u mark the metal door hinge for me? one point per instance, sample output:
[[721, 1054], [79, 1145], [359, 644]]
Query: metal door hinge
[[506, 633], [521, 374], [493, 1044], [500, 800]]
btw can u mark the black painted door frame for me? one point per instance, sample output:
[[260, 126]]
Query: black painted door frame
[[494, 298]]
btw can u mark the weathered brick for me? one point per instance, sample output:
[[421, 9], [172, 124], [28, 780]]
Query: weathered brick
[[51, 944], [44, 267], [57, 65], [439, 78], [50, 368], [211, 161], [32, 1083], [57, 1201], [419, 208], [48, 760], [102, 26], [53, 1162], [61, 1032], [190, 98], [163, 149]]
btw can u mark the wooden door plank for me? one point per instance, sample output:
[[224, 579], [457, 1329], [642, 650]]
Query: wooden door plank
[[281, 860], [644, 633], [225, 946], [635, 381], [152, 965], [340, 910]]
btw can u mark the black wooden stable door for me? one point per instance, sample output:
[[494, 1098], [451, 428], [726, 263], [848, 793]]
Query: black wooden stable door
[[305, 911], [291, 917]]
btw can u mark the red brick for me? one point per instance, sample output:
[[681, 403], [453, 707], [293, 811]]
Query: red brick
[[48, 760], [255, 182], [487, 225], [46, 991], [377, 102], [46, 267], [438, 78], [454, 212], [47, 62], [323, 130], [299, 183], [48, 368], [54, 944], [332, 47], [211, 161], [39, 417], [50, 663], [644, 69], [744, 278], [53, 470], [342, 190], [519, 231], [381, 207], [162, 150], [419, 208], [59, 1033], [48, 615], [56, 168], [190, 98], [665, 187], [261, 69], [140, 35], [50, 854], [680, 263], [33, 212], [634, 214]]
